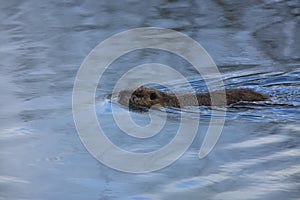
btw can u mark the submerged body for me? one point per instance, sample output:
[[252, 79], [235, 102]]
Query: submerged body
[[147, 97]]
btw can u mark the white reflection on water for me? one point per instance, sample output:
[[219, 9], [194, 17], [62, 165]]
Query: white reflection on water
[[258, 141], [11, 180]]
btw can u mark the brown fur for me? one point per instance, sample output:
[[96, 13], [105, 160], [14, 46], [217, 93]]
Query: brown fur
[[147, 97]]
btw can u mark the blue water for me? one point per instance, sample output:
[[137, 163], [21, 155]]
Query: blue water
[[255, 45]]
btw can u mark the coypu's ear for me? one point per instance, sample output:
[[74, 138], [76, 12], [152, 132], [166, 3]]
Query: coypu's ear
[[153, 96]]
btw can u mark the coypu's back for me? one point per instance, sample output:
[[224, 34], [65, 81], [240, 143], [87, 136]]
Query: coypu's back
[[244, 94], [147, 97]]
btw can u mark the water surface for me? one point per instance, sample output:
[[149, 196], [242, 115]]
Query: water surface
[[255, 45]]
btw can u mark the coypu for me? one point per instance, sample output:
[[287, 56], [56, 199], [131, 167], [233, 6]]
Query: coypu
[[147, 97]]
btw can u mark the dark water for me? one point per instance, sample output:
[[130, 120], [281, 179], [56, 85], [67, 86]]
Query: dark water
[[255, 45]]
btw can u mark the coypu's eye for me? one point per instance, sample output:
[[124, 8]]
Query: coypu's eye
[[153, 96]]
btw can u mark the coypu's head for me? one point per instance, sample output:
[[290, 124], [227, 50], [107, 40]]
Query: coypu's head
[[146, 97]]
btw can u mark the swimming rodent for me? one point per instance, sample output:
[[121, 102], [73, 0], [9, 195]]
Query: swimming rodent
[[147, 97]]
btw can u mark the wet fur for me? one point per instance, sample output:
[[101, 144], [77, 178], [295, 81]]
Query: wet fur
[[147, 97]]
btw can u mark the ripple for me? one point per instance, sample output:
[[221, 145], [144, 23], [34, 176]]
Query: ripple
[[283, 87]]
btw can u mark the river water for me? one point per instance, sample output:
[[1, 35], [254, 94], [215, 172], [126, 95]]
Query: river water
[[254, 44]]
